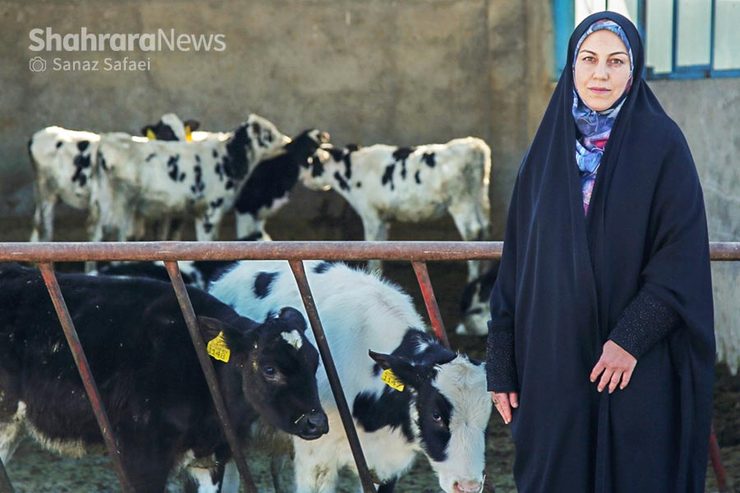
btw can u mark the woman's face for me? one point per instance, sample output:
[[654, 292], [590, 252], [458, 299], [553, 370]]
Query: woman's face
[[602, 69]]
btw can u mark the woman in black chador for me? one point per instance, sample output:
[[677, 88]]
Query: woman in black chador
[[601, 343]]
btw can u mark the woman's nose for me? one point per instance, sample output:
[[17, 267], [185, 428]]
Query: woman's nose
[[600, 71]]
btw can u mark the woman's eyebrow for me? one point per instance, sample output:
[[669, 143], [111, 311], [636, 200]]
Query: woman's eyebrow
[[618, 53]]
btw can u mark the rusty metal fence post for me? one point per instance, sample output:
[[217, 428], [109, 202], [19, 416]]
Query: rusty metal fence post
[[210, 374], [73, 340], [430, 301], [331, 372]]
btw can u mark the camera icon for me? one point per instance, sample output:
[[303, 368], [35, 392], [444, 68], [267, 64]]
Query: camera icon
[[37, 64]]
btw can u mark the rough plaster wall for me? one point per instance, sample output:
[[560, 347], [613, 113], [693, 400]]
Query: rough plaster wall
[[708, 112]]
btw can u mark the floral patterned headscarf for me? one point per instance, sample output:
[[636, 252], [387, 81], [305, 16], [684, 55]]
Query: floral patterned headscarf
[[594, 127]]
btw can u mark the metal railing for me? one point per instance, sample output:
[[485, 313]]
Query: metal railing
[[417, 252]]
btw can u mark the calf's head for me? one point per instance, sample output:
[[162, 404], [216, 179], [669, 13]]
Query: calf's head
[[450, 408], [170, 128], [474, 309], [277, 367], [254, 140]]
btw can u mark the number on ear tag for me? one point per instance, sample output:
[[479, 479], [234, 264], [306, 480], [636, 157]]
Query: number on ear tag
[[218, 349], [392, 380]]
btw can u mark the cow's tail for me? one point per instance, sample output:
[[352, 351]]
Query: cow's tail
[[34, 164]]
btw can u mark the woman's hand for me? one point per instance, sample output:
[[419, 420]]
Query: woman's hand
[[503, 402], [615, 365]]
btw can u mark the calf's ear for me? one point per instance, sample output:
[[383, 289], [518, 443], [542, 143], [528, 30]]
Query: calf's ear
[[212, 327], [407, 373], [193, 125], [231, 339], [293, 317]]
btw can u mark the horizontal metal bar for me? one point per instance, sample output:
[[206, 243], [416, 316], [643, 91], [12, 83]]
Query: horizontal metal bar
[[276, 250], [235, 250]]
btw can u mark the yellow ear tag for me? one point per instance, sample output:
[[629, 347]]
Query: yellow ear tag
[[150, 134], [391, 380], [188, 134], [218, 349]]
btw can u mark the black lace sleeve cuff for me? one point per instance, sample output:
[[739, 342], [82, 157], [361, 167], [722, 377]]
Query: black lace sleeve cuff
[[500, 368], [644, 322]]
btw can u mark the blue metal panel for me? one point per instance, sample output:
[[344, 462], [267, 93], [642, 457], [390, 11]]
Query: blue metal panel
[[563, 17]]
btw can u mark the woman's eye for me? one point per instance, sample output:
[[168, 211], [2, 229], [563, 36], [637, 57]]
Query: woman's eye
[[617, 61], [588, 59]]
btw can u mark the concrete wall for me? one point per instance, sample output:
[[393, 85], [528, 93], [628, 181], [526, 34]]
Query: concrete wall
[[708, 112], [368, 71]]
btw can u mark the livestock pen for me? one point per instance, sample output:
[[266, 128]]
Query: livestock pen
[[418, 253]]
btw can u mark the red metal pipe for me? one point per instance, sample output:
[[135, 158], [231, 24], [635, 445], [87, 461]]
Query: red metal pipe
[[73, 340], [276, 250], [427, 292], [237, 250], [299, 273], [207, 367], [714, 457]]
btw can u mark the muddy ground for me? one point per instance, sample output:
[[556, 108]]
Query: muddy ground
[[33, 470]]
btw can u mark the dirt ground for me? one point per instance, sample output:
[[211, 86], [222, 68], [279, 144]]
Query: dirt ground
[[33, 470]]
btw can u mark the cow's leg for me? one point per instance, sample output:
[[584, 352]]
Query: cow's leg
[[207, 224], [147, 460], [375, 230], [247, 225], [138, 228], [207, 479], [278, 464], [230, 481], [43, 218], [473, 226], [12, 419], [315, 468]]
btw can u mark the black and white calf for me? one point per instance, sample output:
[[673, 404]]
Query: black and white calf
[[148, 374], [267, 188], [63, 161], [161, 180], [410, 184], [475, 311], [442, 411]]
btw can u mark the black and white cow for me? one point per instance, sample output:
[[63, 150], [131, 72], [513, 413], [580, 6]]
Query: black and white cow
[[175, 179], [141, 356], [475, 311], [385, 183], [63, 161], [442, 411], [267, 188]]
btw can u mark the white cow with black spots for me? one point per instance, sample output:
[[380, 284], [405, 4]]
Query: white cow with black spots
[[199, 179], [442, 410], [385, 183], [63, 161]]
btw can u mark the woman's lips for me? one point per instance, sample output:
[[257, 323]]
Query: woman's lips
[[599, 90]]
